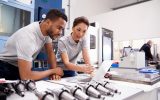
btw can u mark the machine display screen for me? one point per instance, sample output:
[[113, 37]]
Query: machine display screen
[[106, 48]]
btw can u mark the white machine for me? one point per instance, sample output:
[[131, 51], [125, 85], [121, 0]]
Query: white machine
[[134, 59]]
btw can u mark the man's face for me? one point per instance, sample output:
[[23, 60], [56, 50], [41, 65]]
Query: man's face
[[55, 28]]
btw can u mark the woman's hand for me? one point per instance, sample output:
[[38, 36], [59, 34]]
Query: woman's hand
[[87, 69]]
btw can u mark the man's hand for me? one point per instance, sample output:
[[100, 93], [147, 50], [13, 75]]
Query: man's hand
[[87, 69], [58, 71], [55, 77]]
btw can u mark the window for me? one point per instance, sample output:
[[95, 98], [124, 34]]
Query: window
[[11, 19]]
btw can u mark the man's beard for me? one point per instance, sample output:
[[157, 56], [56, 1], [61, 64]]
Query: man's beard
[[51, 36]]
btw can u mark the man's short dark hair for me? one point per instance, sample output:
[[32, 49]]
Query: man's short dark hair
[[79, 20], [53, 14]]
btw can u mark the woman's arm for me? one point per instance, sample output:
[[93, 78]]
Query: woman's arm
[[68, 64], [71, 66], [86, 56]]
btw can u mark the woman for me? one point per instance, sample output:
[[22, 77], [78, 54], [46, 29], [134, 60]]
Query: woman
[[70, 46]]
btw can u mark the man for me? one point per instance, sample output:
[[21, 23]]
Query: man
[[146, 48], [25, 44]]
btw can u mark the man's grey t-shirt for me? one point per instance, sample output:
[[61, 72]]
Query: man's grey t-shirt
[[68, 45], [24, 44]]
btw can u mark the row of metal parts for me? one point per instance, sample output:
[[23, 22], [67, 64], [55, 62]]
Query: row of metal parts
[[77, 92]]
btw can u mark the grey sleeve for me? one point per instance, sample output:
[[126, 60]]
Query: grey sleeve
[[61, 47]]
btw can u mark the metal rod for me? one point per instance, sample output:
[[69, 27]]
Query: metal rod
[[58, 83]]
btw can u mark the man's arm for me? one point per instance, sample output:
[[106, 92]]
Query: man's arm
[[51, 55], [26, 72], [51, 59], [25, 51]]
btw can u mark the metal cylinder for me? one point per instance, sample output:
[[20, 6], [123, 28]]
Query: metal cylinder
[[91, 91], [48, 96], [78, 93], [63, 94], [30, 85], [110, 87], [102, 89], [20, 88]]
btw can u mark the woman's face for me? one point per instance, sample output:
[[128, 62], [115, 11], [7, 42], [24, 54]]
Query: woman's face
[[79, 31]]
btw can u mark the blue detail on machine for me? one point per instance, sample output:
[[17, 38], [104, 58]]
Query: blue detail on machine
[[149, 70], [115, 65]]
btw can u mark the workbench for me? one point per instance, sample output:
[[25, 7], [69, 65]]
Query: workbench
[[129, 91]]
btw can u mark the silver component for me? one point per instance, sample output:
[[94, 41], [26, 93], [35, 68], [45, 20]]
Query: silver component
[[48, 96], [58, 83], [39, 94], [110, 87], [63, 94], [10, 86], [102, 89], [78, 93], [44, 95], [19, 88], [91, 91], [30, 85]]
